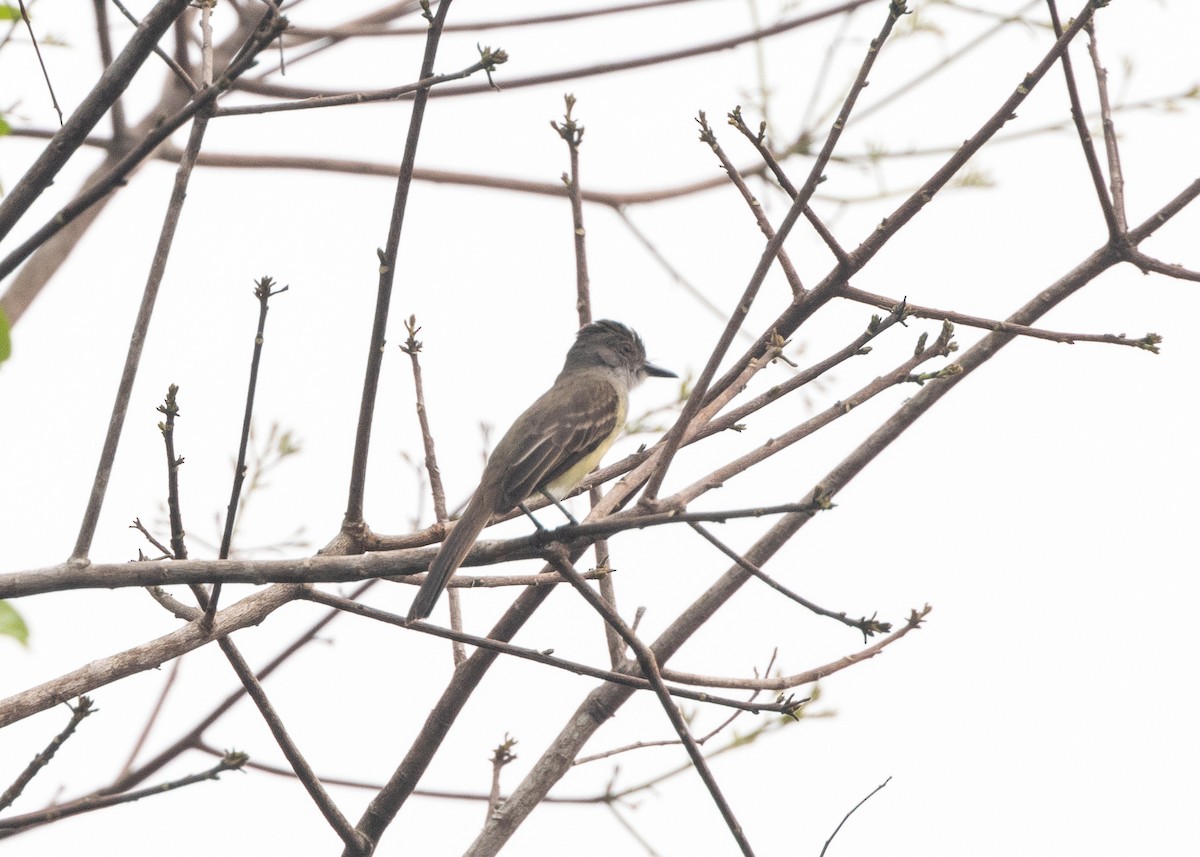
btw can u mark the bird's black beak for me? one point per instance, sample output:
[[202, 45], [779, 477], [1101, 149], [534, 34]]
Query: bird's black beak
[[657, 371]]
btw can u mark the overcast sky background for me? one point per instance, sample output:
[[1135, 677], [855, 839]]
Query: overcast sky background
[[1046, 508]]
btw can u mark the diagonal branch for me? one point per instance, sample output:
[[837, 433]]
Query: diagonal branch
[[1112, 216], [649, 668], [103, 95], [117, 175], [353, 521], [252, 610], [16, 823], [701, 389], [83, 708], [604, 701], [133, 357], [800, 311]]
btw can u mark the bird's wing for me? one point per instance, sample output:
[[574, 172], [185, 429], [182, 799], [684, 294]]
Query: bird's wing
[[553, 435]]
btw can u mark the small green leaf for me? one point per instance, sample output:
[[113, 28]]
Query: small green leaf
[[12, 625], [9, 13], [5, 339], [5, 128]]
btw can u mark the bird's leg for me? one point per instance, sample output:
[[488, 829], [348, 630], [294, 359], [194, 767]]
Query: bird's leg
[[561, 507], [529, 515]]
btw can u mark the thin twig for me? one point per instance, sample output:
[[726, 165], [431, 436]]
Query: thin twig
[[631, 830], [97, 102], [1149, 342], [308, 778], [383, 14], [1148, 263], [38, 50], [764, 225], [119, 173], [903, 373], [674, 438], [649, 667], [858, 347], [815, 674], [800, 311], [488, 63], [264, 290], [154, 279], [737, 742], [445, 794], [179, 71], [851, 812], [16, 823], [1116, 176], [571, 133], [388, 257], [1112, 217], [170, 410], [412, 347], [546, 658], [868, 627], [703, 739], [727, 722], [304, 772], [759, 142], [945, 62], [158, 267], [501, 756], [191, 738], [728, 43], [153, 718], [81, 709], [104, 38], [206, 42], [141, 528], [367, 30]]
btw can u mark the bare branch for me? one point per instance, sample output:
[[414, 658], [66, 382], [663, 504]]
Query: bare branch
[[180, 72], [117, 175], [1114, 217], [133, 357], [1148, 342], [249, 611], [353, 521], [546, 658], [106, 91], [785, 263], [649, 668], [851, 812], [294, 92], [674, 438], [79, 711], [264, 290], [232, 761], [487, 63]]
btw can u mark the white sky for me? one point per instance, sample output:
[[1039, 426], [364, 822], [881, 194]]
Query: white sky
[[1042, 508]]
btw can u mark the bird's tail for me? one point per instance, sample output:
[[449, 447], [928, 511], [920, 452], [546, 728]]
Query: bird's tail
[[454, 550]]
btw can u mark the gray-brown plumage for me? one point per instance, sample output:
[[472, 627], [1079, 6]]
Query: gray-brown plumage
[[557, 441]]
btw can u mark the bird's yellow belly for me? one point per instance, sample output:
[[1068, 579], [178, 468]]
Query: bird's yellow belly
[[564, 484]]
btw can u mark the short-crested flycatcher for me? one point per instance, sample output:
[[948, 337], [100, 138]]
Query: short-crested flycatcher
[[554, 444]]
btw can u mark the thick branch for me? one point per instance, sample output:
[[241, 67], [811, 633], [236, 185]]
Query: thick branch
[[249, 611]]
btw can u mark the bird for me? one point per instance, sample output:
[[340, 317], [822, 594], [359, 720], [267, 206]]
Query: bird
[[556, 442]]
